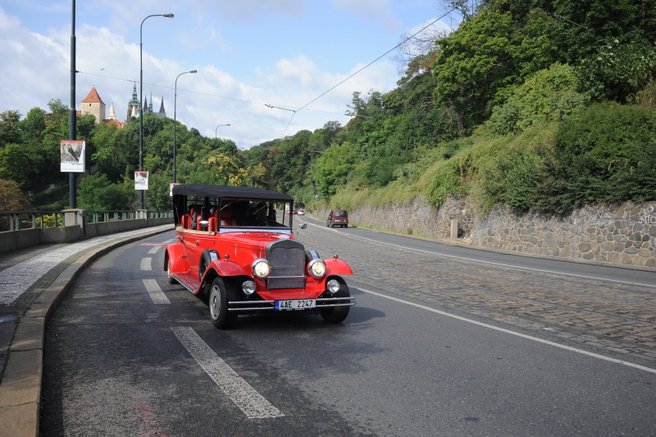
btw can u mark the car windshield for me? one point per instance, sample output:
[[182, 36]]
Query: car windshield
[[340, 213]]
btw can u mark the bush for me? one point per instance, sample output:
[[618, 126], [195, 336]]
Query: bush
[[49, 221], [449, 178], [548, 95], [604, 154]]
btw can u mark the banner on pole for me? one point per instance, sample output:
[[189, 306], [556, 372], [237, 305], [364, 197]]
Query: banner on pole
[[141, 180], [72, 156]]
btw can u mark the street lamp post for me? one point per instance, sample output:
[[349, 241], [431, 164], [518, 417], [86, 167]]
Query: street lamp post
[[141, 115], [216, 130], [175, 109]]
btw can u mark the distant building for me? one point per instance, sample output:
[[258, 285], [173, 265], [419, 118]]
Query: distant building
[[134, 108], [93, 104], [162, 111]]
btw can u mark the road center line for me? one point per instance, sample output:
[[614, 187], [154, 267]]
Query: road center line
[[153, 250], [508, 331], [155, 292], [252, 403]]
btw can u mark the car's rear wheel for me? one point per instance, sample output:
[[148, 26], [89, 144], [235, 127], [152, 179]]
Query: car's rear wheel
[[337, 314], [218, 303], [170, 278]]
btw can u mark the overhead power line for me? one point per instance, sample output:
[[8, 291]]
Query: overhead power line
[[378, 58]]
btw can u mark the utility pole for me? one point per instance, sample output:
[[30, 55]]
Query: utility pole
[[72, 116]]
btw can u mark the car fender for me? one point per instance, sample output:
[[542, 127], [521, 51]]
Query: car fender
[[175, 252], [225, 267], [335, 266]]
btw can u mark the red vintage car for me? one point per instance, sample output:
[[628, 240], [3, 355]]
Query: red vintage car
[[236, 250]]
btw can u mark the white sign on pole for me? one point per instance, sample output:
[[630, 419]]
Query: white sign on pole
[[171, 185], [72, 156], [141, 180]]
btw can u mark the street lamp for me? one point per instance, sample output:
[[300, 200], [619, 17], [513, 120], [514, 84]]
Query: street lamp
[[175, 108], [216, 131], [141, 115]]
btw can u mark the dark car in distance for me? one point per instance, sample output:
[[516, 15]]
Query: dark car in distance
[[337, 217]]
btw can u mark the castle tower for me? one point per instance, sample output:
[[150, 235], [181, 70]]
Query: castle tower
[[134, 108], [93, 104]]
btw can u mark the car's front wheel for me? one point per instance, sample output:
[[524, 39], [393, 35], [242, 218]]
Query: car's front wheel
[[337, 314], [218, 303]]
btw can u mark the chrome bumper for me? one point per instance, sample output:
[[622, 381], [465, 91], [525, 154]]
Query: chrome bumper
[[268, 305]]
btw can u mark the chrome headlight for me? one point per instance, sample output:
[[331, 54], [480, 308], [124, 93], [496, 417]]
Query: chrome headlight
[[248, 287], [333, 286], [317, 267], [261, 268]]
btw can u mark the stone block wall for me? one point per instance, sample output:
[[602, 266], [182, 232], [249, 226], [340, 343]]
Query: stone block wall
[[623, 235]]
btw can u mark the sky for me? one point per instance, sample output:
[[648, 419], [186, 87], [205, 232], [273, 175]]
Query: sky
[[305, 58]]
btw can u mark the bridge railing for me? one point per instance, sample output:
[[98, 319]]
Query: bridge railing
[[19, 229], [17, 220]]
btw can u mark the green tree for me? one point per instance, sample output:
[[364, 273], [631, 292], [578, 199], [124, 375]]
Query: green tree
[[9, 127], [332, 168], [96, 193], [11, 197], [473, 64]]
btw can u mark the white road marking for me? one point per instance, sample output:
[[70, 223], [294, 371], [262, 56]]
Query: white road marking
[[146, 264], [252, 403], [153, 250], [155, 292], [508, 331], [493, 263]]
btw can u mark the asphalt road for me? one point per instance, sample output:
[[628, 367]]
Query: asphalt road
[[443, 341]]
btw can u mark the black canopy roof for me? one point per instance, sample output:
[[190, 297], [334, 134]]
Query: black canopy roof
[[225, 191]]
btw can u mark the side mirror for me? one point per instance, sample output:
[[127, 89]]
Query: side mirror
[[302, 225]]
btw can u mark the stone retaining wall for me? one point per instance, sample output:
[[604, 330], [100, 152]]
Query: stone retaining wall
[[623, 235]]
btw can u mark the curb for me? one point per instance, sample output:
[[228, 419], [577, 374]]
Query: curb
[[20, 390]]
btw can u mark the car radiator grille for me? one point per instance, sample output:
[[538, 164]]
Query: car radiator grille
[[287, 260]]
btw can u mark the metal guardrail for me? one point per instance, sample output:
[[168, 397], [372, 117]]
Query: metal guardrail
[[19, 220]]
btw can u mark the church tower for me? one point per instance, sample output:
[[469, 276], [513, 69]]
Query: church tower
[[93, 104], [162, 111], [134, 108]]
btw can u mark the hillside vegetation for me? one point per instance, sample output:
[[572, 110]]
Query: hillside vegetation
[[540, 105]]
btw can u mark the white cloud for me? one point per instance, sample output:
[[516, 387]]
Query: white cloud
[[36, 68]]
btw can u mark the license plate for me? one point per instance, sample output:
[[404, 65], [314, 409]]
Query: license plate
[[296, 304]]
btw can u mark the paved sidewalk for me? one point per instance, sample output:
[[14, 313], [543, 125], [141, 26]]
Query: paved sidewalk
[[31, 283]]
